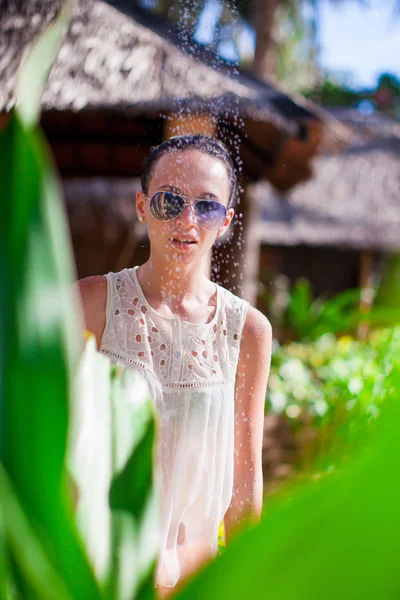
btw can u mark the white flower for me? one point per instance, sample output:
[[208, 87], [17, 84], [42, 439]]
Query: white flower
[[277, 400], [294, 370], [355, 385], [320, 407], [293, 411]]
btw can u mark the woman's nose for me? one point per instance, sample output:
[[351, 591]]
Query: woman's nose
[[188, 216]]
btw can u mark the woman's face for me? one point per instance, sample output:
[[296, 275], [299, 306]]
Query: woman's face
[[196, 175]]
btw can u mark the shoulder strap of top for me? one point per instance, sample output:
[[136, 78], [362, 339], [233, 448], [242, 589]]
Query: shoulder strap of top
[[110, 293], [235, 310], [236, 306], [117, 290]]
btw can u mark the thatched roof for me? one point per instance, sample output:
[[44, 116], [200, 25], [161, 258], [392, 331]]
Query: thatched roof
[[113, 199], [353, 200], [115, 56]]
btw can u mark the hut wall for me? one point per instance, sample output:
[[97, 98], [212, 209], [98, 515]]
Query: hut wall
[[329, 270], [100, 143]]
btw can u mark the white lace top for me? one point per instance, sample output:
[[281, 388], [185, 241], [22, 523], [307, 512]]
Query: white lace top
[[191, 371]]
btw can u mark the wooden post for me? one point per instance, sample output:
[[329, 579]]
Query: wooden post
[[191, 124], [366, 271]]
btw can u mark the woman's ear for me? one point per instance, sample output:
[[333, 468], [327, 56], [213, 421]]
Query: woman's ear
[[140, 206], [229, 216]]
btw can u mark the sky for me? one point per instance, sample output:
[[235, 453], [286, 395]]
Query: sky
[[360, 40]]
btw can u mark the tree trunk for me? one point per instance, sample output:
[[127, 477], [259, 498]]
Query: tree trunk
[[264, 15]]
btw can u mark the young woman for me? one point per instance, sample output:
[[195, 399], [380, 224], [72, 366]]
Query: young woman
[[204, 351]]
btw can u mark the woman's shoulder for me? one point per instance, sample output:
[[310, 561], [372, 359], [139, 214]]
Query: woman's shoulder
[[93, 291], [93, 294], [255, 321], [94, 288]]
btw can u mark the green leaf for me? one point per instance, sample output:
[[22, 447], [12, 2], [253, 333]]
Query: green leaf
[[89, 455], [32, 77], [5, 567], [138, 469], [388, 293], [39, 334], [111, 463], [26, 548], [36, 362], [134, 493], [301, 297]]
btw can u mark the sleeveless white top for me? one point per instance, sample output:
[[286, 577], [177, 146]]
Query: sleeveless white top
[[191, 372]]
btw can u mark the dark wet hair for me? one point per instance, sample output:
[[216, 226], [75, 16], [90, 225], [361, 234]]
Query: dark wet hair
[[181, 143]]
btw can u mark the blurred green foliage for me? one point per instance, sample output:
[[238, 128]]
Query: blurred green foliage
[[296, 315], [330, 91], [308, 317], [330, 388]]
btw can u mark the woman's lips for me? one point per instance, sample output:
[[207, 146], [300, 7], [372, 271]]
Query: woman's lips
[[183, 243]]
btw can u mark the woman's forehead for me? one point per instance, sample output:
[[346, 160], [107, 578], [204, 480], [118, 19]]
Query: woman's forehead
[[191, 171]]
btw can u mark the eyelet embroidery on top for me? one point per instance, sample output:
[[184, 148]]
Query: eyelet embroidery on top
[[171, 384], [206, 355]]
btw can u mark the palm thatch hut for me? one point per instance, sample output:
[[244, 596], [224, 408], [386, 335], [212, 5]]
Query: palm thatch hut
[[123, 81], [337, 228]]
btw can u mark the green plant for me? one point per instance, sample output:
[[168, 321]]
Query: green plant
[[44, 552], [310, 318], [329, 387], [303, 317]]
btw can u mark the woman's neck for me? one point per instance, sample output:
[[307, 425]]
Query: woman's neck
[[174, 284]]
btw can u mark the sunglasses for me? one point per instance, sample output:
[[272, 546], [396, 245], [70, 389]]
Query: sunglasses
[[167, 206]]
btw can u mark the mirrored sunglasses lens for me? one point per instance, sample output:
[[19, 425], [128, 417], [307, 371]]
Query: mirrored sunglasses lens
[[166, 206], [210, 215]]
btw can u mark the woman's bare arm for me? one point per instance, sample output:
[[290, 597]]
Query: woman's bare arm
[[251, 385], [93, 294]]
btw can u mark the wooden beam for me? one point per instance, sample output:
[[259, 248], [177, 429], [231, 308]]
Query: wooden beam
[[189, 124]]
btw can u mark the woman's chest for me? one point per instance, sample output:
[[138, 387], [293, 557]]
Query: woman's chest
[[175, 353]]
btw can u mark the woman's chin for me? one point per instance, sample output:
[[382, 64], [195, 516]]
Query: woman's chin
[[183, 258], [180, 253], [168, 253]]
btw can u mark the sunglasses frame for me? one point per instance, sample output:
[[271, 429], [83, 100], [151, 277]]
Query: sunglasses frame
[[191, 204]]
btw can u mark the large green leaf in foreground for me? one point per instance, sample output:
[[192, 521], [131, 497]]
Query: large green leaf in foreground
[[38, 328], [34, 565], [111, 459], [60, 410], [334, 537]]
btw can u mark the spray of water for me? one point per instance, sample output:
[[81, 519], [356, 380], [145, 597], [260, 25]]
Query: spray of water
[[207, 106]]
